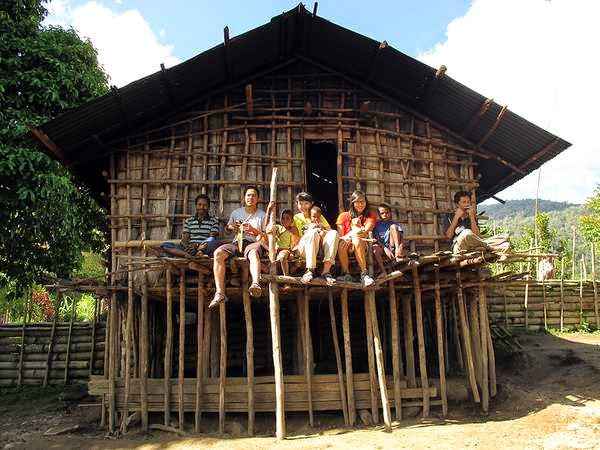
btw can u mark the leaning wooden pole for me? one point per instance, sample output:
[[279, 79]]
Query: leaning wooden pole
[[93, 347], [274, 316], [51, 342], [466, 339], [22, 349], [144, 352], [222, 364], [338, 358], [485, 393], [371, 361], [308, 355], [385, 404], [128, 344]]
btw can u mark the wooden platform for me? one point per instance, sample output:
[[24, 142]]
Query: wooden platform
[[325, 393]]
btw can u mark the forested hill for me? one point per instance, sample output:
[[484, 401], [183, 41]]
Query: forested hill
[[524, 208]]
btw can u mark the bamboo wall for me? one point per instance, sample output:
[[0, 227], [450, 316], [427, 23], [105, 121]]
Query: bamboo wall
[[234, 138], [552, 304], [34, 354]]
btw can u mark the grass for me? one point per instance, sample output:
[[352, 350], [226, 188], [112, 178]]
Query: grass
[[33, 399]]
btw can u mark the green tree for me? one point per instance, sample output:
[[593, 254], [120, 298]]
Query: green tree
[[46, 219], [589, 224]]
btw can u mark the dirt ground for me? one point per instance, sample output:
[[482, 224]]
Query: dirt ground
[[549, 397]]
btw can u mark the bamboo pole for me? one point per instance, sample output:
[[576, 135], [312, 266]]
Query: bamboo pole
[[466, 339], [440, 343], [274, 316], [168, 361], [459, 352], [485, 393], [581, 291], [409, 342], [338, 358], [112, 350], [222, 365], [562, 294], [526, 301], [181, 353], [544, 305], [348, 357], [396, 356], [491, 353], [387, 419], [475, 338], [52, 334], [68, 356], [128, 344], [144, 353], [249, 349], [371, 361], [573, 254], [421, 341], [103, 412], [593, 258], [308, 369], [199, 350]]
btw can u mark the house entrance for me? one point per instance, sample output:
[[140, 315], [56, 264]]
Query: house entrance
[[321, 176]]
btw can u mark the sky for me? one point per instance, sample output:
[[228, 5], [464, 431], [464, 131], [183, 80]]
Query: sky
[[539, 57]]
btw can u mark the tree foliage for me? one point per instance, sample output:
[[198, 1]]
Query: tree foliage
[[589, 224], [46, 219]]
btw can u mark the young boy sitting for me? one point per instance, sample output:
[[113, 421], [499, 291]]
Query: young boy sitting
[[388, 235], [287, 237]]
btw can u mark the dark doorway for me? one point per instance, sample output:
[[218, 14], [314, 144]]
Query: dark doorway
[[321, 176]]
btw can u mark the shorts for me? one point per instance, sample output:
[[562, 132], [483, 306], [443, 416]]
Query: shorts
[[248, 246]]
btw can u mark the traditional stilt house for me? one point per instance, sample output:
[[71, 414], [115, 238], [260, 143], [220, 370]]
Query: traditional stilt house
[[333, 111]]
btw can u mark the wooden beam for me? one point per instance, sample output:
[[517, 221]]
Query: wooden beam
[[249, 100], [421, 341], [348, 358], [49, 144], [249, 348], [168, 362], [496, 124], [199, 349], [338, 358], [181, 352], [396, 355], [440, 343], [476, 117]]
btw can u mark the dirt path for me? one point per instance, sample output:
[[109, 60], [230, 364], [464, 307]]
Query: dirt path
[[549, 398]]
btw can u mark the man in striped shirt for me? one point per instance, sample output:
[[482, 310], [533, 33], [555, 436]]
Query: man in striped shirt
[[200, 233]]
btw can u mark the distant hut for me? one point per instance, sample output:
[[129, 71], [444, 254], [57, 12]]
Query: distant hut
[[334, 111]]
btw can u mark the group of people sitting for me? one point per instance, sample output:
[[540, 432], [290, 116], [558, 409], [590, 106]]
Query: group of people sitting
[[307, 235]]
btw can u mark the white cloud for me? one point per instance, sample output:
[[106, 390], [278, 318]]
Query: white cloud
[[128, 49], [540, 58]]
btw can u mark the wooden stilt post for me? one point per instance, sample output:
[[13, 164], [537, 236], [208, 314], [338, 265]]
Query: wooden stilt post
[[562, 293], [168, 348], [308, 369], [396, 355], [409, 341], [144, 352], [338, 358], [249, 349], [51, 342], [128, 344], [581, 291], [475, 336], [68, 356], [371, 361], [274, 316], [485, 393], [466, 339], [207, 342], [596, 312], [112, 357], [440, 342], [199, 351], [545, 306], [348, 358], [105, 365], [222, 365], [421, 341], [526, 301], [491, 354], [181, 353], [459, 352], [385, 404]]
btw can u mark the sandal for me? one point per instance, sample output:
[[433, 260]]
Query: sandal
[[217, 300], [328, 279], [255, 290], [307, 277]]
